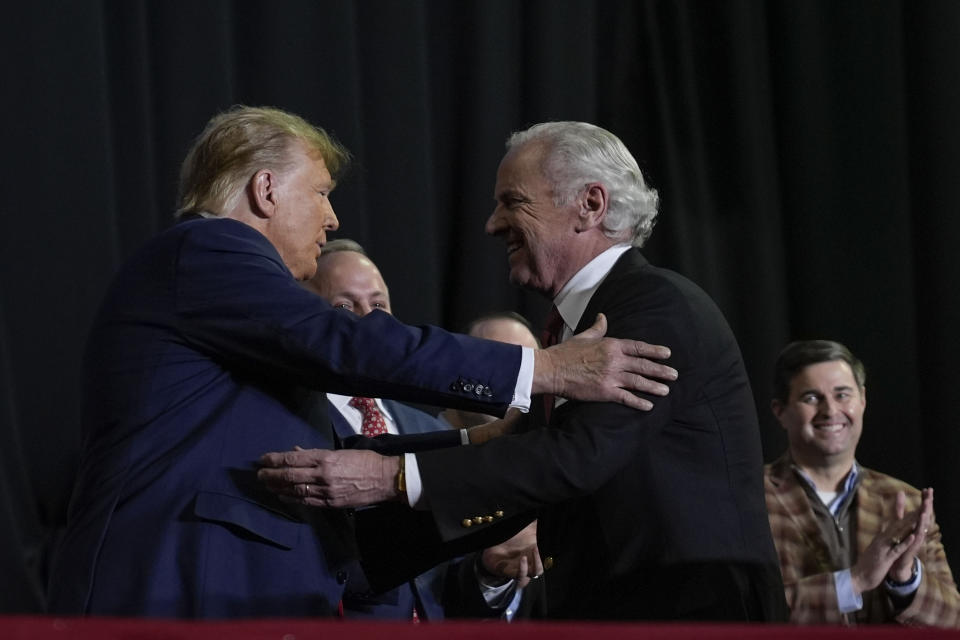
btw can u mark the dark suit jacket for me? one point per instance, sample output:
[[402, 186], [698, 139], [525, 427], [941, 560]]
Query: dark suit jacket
[[203, 356], [424, 591], [645, 515]]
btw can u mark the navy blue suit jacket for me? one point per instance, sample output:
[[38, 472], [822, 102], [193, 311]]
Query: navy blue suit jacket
[[205, 354], [424, 591]]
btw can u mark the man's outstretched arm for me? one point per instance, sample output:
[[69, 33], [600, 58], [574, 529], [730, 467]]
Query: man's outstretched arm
[[586, 367]]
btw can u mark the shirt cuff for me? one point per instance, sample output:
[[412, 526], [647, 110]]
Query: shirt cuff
[[411, 476], [497, 597], [847, 600], [910, 587], [521, 394], [411, 473], [513, 606]]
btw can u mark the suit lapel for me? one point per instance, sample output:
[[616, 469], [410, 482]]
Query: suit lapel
[[631, 259], [869, 504], [794, 502], [398, 412], [340, 425]]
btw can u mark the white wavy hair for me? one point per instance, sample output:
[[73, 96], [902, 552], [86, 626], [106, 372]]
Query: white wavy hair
[[578, 153]]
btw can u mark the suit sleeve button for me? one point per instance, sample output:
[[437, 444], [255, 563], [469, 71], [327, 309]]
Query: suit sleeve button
[[548, 563], [498, 514], [466, 523], [488, 518], [478, 520]]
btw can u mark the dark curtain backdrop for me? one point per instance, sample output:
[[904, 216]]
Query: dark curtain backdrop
[[807, 155]]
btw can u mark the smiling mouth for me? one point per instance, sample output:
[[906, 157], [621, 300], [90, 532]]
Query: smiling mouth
[[833, 427]]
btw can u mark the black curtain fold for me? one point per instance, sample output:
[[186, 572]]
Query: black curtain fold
[[806, 153]]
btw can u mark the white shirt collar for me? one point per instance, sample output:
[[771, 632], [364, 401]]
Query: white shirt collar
[[573, 298]]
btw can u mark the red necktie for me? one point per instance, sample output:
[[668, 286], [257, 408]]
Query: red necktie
[[552, 329], [551, 334], [373, 421], [374, 425]]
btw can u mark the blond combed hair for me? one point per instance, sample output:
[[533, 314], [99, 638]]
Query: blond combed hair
[[239, 142]]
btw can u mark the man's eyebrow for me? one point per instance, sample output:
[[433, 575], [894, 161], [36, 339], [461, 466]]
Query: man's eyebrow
[[509, 192]]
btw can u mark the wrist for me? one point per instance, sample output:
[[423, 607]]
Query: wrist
[[543, 373], [856, 583], [898, 579]]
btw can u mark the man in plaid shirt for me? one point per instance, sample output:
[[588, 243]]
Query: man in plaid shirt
[[855, 546]]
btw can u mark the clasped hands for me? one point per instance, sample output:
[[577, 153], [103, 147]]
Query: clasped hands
[[516, 559], [892, 552]]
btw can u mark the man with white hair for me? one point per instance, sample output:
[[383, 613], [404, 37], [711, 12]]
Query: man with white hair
[[207, 352], [656, 515]]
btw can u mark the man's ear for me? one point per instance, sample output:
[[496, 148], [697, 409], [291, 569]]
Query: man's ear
[[593, 206], [263, 193], [777, 407]]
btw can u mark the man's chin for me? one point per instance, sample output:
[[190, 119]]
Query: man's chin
[[524, 279], [304, 274], [520, 277]]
